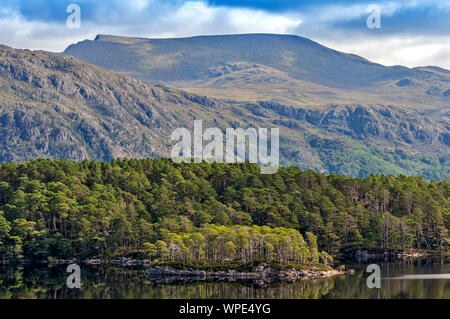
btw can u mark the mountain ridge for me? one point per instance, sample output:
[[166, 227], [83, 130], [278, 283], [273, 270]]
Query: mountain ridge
[[278, 68]]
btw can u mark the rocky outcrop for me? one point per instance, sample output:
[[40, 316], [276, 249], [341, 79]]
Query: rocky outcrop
[[361, 122], [261, 274]]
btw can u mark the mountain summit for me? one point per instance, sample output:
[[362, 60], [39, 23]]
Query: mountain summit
[[278, 68]]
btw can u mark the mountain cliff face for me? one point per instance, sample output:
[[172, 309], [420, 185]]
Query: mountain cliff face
[[277, 68], [376, 122], [57, 106], [360, 140]]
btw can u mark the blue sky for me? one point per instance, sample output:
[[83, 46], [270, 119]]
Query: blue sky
[[412, 33]]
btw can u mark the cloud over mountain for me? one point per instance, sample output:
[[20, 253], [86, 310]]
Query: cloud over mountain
[[342, 25]]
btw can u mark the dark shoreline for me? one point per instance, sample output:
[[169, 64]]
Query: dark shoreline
[[169, 273], [120, 262], [261, 274], [366, 255], [356, 255]]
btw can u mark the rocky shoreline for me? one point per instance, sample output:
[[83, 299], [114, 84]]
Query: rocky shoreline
[[119, 262], [260, 274], [363, 255]]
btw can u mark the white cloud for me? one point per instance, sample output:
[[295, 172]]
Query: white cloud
[[337, 13], [394, 50], [158, 18], [197, 18], [190, 19]]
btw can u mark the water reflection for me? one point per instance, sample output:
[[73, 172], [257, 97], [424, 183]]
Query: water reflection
[[112, 282]]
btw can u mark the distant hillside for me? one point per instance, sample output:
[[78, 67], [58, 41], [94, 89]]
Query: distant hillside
[[277, 68], [57, 106]]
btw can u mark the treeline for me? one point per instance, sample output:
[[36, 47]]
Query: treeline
[[65, 209]]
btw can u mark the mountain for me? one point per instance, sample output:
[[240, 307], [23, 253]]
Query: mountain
[[57, 106], [286, 69]]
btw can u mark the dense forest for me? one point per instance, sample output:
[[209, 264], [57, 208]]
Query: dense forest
[[153, 208]]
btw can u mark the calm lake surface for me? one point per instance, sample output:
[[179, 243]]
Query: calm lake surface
[[400, 279]]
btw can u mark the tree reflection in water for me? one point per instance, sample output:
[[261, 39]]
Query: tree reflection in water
[[49, 282]]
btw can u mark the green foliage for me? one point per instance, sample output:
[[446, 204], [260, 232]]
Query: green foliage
[[356, 159]]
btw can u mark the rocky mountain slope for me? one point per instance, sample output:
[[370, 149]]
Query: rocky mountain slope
[[57, 106], [277, 68]]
